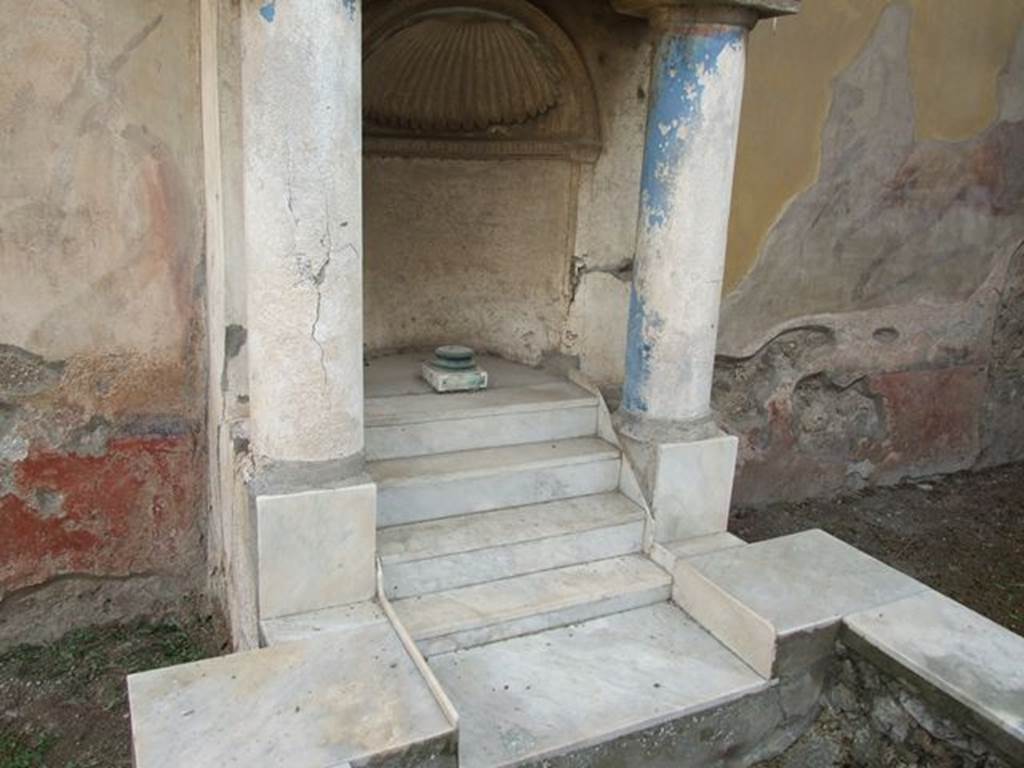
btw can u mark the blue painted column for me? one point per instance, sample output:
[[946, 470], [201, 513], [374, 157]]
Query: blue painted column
[[686, 191]]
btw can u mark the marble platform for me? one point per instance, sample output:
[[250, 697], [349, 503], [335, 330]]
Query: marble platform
[[551, 693], [349, 696]]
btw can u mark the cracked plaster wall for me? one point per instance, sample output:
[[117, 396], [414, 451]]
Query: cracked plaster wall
[[101, 391]]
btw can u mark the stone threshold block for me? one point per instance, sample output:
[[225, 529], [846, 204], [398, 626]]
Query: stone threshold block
[[777, 604], [352, 697], [971, 667]]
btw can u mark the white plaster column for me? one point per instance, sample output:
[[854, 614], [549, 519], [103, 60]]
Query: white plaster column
[[302, 137], [683, 462], [301, 102]]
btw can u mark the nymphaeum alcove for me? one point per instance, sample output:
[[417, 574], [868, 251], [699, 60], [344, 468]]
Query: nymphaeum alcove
[[477, 121]]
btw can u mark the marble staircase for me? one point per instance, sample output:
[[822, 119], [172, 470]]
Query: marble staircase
[[523, 532], [517, 565], [525, 615]]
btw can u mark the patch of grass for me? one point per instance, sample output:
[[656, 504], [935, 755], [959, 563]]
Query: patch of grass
[[23, 752], [85, 656]]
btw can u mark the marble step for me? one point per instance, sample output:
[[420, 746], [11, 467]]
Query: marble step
[[451, 484], [471, 549], [420, 424], [483, 613], [778, 603], [644, 687], [351, 696]]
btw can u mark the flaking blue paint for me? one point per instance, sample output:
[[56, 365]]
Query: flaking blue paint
[[676, 95], [639, 346], [268, 10], [350, 8]]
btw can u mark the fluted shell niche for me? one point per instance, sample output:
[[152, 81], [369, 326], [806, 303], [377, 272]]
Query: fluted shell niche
[[496, 78]]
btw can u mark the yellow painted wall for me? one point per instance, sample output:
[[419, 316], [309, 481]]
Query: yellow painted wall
[[957, 49]]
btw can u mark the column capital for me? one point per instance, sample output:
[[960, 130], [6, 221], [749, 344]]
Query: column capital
[[740, 12]]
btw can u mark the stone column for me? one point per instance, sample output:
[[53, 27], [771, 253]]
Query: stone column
[[302, 135], [301, 107], [693, 119]]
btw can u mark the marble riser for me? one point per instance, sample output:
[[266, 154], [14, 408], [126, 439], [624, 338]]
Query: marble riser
[[460, 618], [491, 563], [433, 498], [485, 431]]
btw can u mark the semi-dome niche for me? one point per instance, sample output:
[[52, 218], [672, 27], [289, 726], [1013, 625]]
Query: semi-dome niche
[[494, 78]]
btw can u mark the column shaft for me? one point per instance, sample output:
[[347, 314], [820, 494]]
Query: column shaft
[[689, 158], [302, 125]]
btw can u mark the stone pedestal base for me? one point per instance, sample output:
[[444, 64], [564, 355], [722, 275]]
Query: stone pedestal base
[[443, 380], [688, 484], [316, 549]]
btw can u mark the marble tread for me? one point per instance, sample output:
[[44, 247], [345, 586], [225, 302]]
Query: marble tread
[[758, 597], [468, 533], [666, 554], [565, 689], [418, 425], [458, 551], [702, 545], [302, 626], [400, 374], [300, 703], [415, 409], [974, 661], [485, 461], [496, 610], [452, 484]]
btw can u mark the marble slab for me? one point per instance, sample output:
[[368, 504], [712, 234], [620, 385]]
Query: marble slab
[[693, 487], [562, 690], [316, 549], [351, 696], [957, 653]]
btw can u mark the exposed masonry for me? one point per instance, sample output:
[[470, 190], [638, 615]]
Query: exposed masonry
[[622, 271], [1004, 407], [24, 373], [875, 720]]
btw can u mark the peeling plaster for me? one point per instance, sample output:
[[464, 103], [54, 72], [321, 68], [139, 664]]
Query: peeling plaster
[[101, 380], [958, 50]]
